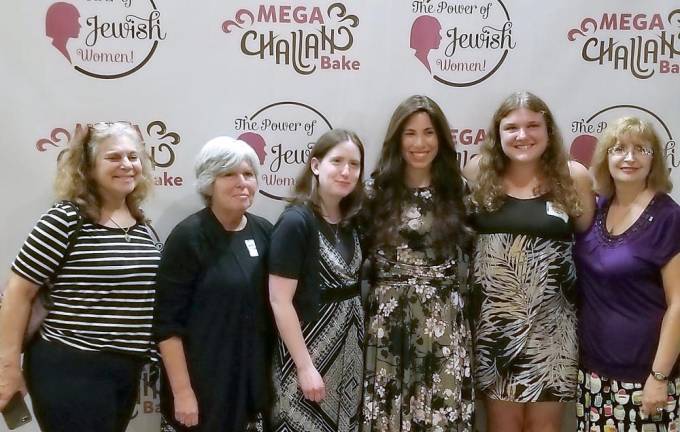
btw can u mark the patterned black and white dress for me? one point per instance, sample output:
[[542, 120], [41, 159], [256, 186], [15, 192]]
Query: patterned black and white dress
[[419, 345], [526, 345], [334, 341]]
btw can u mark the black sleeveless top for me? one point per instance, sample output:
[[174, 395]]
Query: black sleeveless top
[[533, 216]]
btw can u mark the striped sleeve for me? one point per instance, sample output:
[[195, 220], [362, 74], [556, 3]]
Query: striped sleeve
[[45, 246]]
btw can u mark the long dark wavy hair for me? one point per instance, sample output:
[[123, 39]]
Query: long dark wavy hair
[[306, 190], [382, 213]]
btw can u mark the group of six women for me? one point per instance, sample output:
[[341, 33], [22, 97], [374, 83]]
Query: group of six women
[[475, 284]]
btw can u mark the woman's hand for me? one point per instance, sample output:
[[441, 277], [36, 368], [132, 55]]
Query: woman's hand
[[311, 384], [14, 314], [11, 381], [186, 408], [654, 395]]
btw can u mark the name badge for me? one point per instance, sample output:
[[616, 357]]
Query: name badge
[[551, 210], [252, 249]]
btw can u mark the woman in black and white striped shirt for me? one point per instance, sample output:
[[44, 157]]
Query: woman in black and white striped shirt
[[83, 370]]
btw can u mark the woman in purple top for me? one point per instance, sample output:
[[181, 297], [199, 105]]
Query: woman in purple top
[[628, 266]]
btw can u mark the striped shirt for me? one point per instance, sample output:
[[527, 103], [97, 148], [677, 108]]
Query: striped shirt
[[103, 298]]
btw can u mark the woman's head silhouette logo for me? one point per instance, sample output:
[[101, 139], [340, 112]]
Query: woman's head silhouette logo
[[425, 37], [257, 143], [61, 24]]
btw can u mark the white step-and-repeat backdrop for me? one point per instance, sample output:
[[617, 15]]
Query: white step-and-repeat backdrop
[[278, 74]]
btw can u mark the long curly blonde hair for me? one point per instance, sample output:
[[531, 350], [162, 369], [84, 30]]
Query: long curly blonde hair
[[488, 193], [75, 181]]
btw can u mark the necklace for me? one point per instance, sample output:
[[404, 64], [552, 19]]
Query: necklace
[[625, 214], [335, 230], [126, 236]]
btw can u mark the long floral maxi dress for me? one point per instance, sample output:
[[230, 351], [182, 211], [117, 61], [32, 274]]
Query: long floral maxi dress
[[335, 343], [418, 373]]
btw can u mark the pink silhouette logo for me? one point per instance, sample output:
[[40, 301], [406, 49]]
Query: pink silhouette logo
[[425, 37], [61, 24], [582, 149], [257, 143]]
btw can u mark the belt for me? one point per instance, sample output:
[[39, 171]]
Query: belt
[[334, 295]]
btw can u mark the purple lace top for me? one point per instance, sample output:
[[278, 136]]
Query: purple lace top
[[621, 296]]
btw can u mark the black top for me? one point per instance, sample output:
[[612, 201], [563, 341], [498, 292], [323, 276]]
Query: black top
[[340, 236], [212, 292], [297, 232], [294, 254], [533, 216]]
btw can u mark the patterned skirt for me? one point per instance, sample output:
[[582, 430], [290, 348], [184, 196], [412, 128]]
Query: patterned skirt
[[256, 426], [335, 343], [418, 373], [608, 405], [526, 343]]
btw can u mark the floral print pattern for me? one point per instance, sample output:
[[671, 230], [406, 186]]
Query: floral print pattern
[[418, 358]]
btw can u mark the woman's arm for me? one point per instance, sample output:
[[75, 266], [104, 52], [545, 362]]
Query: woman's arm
[[654, 393], [281, 292], [175, 362], [14, 315], [175, 287], [584, 190]]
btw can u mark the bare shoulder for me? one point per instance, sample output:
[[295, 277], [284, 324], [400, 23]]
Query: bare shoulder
[[577, 170], [471, 169], [580, 175]]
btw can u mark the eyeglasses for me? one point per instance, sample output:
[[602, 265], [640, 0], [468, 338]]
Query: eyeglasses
[[637, 151], [100, 126]]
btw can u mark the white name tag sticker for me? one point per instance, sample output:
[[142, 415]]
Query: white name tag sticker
[[252, 249], [551, 210]]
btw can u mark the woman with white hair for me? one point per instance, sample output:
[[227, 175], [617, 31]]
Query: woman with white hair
[[212, 320]]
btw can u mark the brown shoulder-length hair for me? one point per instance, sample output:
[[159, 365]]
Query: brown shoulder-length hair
[[658, 179], [306, 189], [382, 215], [488, 191], [75, 181]]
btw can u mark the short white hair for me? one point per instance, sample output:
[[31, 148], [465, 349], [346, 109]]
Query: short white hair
[[219, 156]]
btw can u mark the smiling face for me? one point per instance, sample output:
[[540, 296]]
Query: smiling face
[[630, 160], [338, 171], [523, 135], [234, 190], [117, 167], [419, 142]]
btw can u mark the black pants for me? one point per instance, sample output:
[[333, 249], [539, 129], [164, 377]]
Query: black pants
[[84, 391]]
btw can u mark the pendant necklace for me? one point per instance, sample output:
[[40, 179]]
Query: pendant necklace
[[335, 229], [126, 236]]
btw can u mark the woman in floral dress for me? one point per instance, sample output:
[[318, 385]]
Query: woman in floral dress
[[418, 371]]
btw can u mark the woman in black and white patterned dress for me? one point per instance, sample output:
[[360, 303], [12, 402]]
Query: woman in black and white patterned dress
[[314, 264]]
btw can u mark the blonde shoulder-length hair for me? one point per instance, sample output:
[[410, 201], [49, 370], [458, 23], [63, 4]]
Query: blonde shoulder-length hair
[[75, 181], [658, 178]]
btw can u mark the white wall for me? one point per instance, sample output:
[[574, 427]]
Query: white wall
[[196, 82]]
